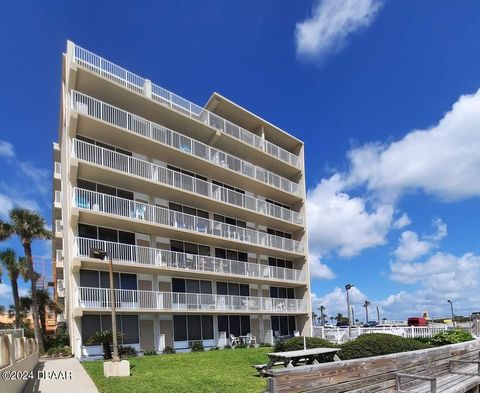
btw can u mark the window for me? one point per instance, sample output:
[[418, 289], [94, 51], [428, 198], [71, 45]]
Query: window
[[187, 210], [180, 327], [233, 289], [282, 293], [189, 248], [278, 204], [280, 263], [231, 254], [217, 183], [188, 173], [229, 221], [104, 145], [191, 286], [274, 232], [88, 231], [127, 324], [283, 325], [101, 279], [192, 327], [238, 325]]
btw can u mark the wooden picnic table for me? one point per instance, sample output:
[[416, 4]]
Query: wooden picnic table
[[292, 358]]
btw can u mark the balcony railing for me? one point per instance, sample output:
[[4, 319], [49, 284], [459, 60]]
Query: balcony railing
[[129, 299], [58, 227], [140, 85], [58, 198], [137, 125], [104, 157], [90, 200], [197, 263], [57, 170]]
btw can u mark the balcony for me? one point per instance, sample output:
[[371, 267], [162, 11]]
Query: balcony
[[125, 208], [133, 82], [60, 288], [101, 111], [57, 201], [57, 171], [58, 228], [133, 166], [165, 259], [131, 300]]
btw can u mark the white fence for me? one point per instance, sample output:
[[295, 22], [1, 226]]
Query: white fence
[[15, 332], [340, 334], [137, 125], [140, 85], [127, 299], [201, 263], [90, 200]]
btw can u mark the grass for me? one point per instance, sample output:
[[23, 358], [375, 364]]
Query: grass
[[212, 371]]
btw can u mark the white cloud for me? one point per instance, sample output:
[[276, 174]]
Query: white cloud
[[442, 160], [336, 302], [6, 149], [402, 221], [410, 247], [341, 223], [332, 21], [319, 269], [7, 202]]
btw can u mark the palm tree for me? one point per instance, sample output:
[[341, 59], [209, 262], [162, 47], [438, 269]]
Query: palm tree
[[28, 226], [15, 268], [366, 305], [322, 308]]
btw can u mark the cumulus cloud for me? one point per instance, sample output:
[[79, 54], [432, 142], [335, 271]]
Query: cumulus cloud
[[7, 202], [442, 161], [402, 222], [411, 247], [342, 223], [331, 23], [319, 269], [336, 302], [6, 149]]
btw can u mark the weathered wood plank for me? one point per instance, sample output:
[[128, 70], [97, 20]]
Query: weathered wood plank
[[376, 374]]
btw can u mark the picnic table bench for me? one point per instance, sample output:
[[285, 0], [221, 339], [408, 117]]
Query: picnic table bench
[[447, 369], [293, 358]]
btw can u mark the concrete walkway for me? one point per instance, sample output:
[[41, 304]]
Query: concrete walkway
[[62, 376]]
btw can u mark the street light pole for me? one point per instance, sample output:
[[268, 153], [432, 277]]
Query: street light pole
[[100, 254], [347, 288], [453, 315]]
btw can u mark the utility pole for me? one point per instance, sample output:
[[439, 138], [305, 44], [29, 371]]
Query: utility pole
[[366, 304], [347, 288], [353, 315], [378, 314], [453, 315]]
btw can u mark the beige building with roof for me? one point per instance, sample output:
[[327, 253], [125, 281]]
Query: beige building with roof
[[202, 210]]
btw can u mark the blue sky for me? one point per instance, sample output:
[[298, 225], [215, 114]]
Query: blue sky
[[393, 188]]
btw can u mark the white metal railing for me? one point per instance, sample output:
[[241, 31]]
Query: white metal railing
[[128, 299], [140, 126], [57, 169], [58, 226], [177, 260], [90, 200], [58, 197], [110, 159], [140, 85], [340, 334]]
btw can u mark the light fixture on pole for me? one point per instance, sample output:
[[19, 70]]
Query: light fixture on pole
[[100, 254], [453, 315], [347, 288]]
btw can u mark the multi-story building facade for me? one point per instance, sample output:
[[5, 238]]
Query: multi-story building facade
[[201, 209]]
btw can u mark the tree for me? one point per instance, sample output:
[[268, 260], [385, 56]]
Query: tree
[[44, 304], [366, 305], [28, 226], [322, 308], [105, 338], [15, 268], [341, 320]]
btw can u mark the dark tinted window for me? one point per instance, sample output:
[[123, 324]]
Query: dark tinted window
[[90, 325], [126, 237], [88, 231], [89, 278], [105, 280], [207, 327], [243, 256], [87, 185], [273, 292], [130, 329], [291, 325], [220, 253], [275, 325], [222, 288], [205, 287], [223, 324], [244, 290], [178, 285], [106, 189], [233, 289], [107, 234], [180, 328], [283, 325], [176, 246], [193, 286], [191, 248], [194, 328], [128, 281], [125, 194], [204, 250], [290, 293], [282, 293], [235, 325], [289, 264], [245, 324]]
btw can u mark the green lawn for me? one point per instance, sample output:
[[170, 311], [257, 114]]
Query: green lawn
[[212, 371]]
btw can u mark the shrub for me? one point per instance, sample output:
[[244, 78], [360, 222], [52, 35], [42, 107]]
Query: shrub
[[169, 351], [451, 337], [126, 352], [376, 344], [60, 339], [60, 351], [151, 352], [263, 345], [198, 347]]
